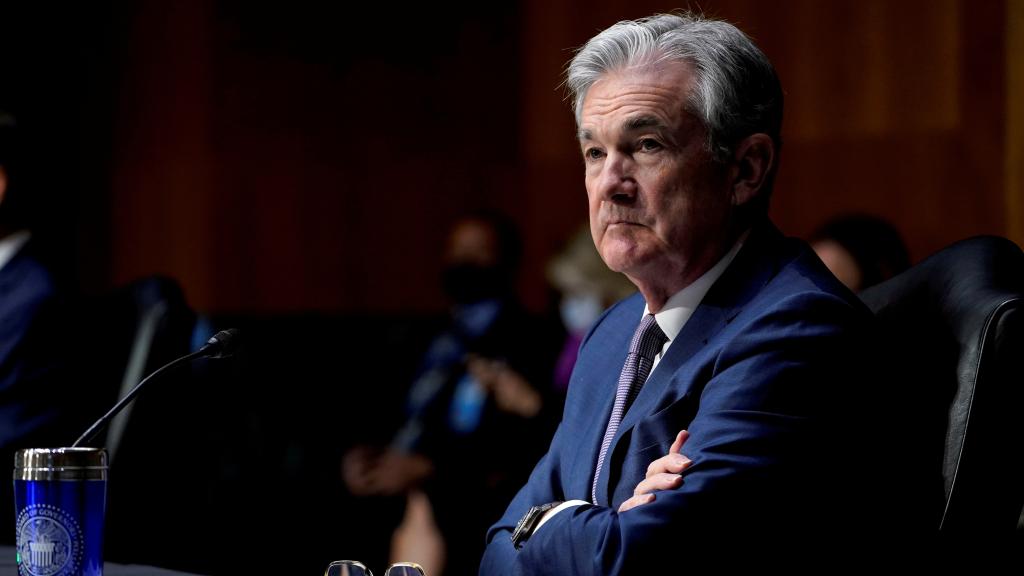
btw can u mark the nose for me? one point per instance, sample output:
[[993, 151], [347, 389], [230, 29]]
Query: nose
[[616, 182]]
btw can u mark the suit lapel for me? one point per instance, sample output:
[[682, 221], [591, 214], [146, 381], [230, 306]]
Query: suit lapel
[[744, 278], [9, 277]]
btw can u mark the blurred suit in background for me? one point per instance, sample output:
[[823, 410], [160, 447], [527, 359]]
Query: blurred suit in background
[[32, 404]]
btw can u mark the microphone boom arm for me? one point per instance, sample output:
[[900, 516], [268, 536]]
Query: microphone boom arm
[[221, 345], [102, 422]]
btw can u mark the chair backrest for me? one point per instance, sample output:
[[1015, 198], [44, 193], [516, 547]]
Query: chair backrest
[[160, 323], [144, 325], [954, 329], [122, 336]]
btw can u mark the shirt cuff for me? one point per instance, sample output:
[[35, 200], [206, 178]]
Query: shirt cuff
[[550, 513]]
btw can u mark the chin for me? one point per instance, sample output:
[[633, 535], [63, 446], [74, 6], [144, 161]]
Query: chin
[[622, 260], [623, 248]]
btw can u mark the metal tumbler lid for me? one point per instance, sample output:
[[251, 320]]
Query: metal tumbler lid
[[60, 464]]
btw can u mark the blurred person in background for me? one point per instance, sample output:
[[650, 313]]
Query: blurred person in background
[[30, 402], [861, 250], [587, 288], [484, 378]]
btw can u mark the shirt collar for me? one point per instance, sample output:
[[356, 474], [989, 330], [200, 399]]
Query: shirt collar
[[680, 306], [10, 245]]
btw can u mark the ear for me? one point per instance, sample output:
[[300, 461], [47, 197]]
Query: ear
[[753, 161]]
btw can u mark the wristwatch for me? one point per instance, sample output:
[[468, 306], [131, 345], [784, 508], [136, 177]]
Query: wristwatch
[[527, 524]]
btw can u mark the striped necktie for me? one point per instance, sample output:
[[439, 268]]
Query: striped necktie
[[647, 342]]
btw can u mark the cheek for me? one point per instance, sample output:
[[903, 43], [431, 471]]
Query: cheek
[[593, 210], [664, 190], [687, 216], [590, 184], [593, 204], [595, 234]]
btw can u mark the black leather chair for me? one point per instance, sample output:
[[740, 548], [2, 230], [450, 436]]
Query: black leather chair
[[953, 329], [146, 324]]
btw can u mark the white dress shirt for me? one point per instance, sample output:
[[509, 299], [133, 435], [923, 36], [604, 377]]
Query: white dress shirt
[[10, 245]]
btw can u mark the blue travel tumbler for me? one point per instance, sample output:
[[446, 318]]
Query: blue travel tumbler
[[60, 498]]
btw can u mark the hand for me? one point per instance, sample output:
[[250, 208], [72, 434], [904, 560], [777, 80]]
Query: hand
[[355, 465], [662, 474], [512, 393], [367, 471]]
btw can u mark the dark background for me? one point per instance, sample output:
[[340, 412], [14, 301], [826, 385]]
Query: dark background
[[295, 166], [288, 157]]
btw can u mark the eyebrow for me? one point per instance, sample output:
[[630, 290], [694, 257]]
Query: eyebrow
[[631, 125], [640, 122]]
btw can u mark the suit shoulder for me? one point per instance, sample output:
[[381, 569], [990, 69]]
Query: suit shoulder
[[803, 280], [25, 282], [625, 311]]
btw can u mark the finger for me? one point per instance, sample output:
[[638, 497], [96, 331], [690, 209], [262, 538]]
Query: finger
[[658, 482], [359, 485], [476, 369], [379, 484], [357, 456], [678, 444], [636, 501], [672, 463]]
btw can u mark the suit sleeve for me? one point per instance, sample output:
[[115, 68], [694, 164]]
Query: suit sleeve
[[543, 486], [764, 440]]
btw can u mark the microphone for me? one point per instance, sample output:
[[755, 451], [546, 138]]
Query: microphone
[[220, 345]]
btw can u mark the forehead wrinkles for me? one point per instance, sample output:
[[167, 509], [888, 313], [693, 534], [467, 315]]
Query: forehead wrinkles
[[620, 96], [638, 100]]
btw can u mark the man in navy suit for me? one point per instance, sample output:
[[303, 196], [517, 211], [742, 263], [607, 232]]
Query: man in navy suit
[[28, 399], [26, 294], [748, 418]]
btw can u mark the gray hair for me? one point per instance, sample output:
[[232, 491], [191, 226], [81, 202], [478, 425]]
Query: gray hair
[[736, 92]]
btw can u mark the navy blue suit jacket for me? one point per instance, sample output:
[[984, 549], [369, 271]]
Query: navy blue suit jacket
[[27, 398], [764, 377]]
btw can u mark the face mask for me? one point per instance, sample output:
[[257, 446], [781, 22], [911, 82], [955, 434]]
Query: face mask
[[580, 311], [469, 283]]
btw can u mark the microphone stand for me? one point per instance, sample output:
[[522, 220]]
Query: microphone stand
[[221, 345], [99, 424]]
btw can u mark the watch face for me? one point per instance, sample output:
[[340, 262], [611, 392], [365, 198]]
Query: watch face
[[521, 524], [526, 524], [523, 528]]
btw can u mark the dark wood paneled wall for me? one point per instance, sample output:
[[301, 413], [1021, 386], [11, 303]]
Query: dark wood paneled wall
[[307, 157], [893, 108]]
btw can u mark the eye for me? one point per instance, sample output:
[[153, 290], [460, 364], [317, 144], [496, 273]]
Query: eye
[[593, 154], [650, 145]]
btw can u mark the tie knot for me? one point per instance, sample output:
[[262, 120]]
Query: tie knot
[[648, 338]]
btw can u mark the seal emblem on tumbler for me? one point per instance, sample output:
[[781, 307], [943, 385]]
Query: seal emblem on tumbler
[[49, 542]]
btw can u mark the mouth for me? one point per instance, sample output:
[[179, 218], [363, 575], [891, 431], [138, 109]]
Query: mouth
[[614, 223]]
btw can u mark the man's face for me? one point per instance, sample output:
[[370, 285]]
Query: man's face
[[659, 205]]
